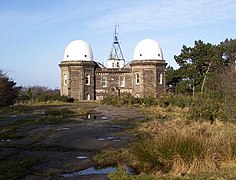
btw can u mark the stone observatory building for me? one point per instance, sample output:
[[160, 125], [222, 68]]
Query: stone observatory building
[[82, 78]]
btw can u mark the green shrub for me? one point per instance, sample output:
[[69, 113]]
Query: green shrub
[[128, 99], [176, 100], [46, 98], [205, 107]]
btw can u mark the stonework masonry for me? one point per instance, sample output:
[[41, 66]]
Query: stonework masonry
[[88, 80], [84, 79]]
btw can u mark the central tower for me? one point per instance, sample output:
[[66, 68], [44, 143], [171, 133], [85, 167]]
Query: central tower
[[116, 58]]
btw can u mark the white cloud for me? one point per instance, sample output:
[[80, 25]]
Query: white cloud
[[135, 16], [168, 14]]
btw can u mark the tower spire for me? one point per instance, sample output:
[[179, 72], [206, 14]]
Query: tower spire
[[115, 58]]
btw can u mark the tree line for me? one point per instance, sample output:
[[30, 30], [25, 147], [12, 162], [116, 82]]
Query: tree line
[[202, 66], [10, 93]]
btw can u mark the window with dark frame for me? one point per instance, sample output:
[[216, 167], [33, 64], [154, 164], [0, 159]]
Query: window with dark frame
[[104, 81], [65, 79], [87, 79], [122, 81], [160, 78], [137, 78]]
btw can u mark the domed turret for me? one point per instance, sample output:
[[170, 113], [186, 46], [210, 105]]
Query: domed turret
[[78, 50], [148, 49]]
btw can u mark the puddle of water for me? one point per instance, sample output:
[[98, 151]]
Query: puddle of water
[[104, 117], [5, 140], [90, 171], [116, 140], [81, 157], [13, 116], [116, 127], [95, 117], [111, 138], [48, 126], [61, 129], [130, 171]]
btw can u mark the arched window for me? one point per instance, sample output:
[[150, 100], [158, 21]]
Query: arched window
[[87, 79], [137, 78]]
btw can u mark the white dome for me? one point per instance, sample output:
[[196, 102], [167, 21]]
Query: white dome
[[148, 49], [78, 50]]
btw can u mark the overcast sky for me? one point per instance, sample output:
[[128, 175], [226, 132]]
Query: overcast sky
[[35, 33]]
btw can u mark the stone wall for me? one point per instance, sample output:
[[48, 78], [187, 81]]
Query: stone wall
[[149, 78], [75, 73], [87, 80], [112, 86]]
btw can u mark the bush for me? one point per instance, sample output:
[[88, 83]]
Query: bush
[[8, 90], [128, 99], [205, 106], [176, 100], [46, 98]]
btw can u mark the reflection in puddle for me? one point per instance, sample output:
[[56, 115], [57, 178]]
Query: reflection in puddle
[[96, 117], [111, 138], [101, 139], [104, 117], [81, 157], [116, 127], [5, 140], [61, 129], [90, 171], [117, 140]]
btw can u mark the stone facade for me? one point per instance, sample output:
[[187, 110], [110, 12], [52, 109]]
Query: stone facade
[[89, 80], [84, 79]]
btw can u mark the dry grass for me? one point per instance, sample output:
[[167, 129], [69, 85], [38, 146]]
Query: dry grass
[[178, 146]]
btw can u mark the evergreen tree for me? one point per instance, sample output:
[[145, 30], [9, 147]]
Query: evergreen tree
[[195, 64], [8, 90], [229, 51]]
